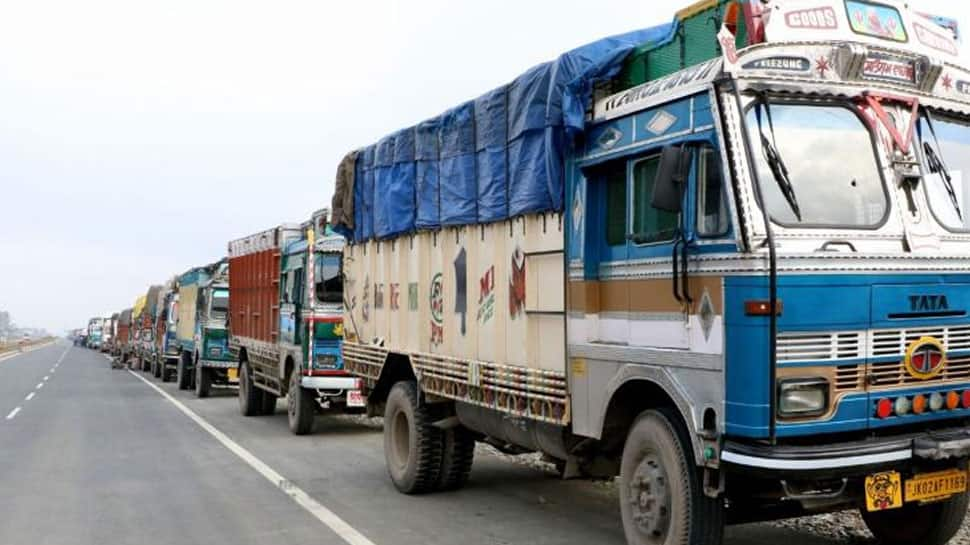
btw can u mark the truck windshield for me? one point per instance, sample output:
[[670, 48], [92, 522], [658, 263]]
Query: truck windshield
[[220, 303], [328, 278], [946, 156], [826, 158]]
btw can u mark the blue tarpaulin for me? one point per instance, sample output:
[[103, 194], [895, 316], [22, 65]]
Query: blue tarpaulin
[[492, 158]]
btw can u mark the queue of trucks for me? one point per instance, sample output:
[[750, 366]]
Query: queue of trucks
[[724, 264]]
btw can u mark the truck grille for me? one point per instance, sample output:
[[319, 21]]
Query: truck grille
[[893, 342], [893, 373], [820, 346]]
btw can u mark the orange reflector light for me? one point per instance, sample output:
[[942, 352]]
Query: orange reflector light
[[952, 400], [884, 409], [919, 404], [761, 308]]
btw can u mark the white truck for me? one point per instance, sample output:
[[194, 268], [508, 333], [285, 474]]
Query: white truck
[[724, 262]]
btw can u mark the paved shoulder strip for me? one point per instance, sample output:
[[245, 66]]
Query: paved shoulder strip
[[346, 532]]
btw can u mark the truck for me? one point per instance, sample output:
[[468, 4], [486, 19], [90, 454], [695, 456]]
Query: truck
[[167, 349], [121, 349], [286, 322], [95, 333], [201, 333], [724, 263], [110, 332]]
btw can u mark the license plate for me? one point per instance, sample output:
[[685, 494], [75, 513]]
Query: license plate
[[884, 491], [232, 373], [936, 486], [355, 398]]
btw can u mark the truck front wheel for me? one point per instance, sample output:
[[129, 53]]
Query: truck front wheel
[[300, 406], [661, 496], [931, 524], [412, 445], [203, 381]]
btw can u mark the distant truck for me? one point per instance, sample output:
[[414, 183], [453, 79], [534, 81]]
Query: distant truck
[[121, 349], [95, 333], [167, 349], [107, 334], [286, 326], [202, 336]]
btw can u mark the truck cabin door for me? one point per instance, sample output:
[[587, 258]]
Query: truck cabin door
[[291, 307], [677, 207]]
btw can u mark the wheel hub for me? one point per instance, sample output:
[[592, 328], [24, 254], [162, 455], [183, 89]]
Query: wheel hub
[[650, 498]]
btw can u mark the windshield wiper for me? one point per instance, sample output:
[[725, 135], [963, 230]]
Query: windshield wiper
[[777, 165], [937, 166]]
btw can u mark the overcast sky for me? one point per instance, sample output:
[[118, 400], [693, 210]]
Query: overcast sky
[[137, 138]]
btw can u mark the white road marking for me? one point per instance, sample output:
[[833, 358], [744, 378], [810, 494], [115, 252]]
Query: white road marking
[[347, 532], [30, 396], [40, 385], [46, 377], [13, 413]]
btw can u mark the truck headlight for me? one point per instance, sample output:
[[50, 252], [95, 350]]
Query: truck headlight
[[803, 397]]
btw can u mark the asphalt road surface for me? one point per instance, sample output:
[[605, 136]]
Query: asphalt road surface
[[90, 455]]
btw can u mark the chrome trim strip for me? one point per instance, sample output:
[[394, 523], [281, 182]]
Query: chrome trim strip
[[821, 463]]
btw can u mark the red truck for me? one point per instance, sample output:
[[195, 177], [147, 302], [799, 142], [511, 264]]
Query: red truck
[[122, 350], [286, 325]]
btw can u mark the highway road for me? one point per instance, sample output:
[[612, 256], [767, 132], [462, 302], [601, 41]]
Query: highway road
[[90, 455]]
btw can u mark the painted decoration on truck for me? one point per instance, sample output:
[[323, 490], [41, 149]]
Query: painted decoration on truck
[[461, 287], [365, 300], [486, 296], [394, 295], [876, 20], [437, 300], [413, 297], [517, 284], [378, 296]]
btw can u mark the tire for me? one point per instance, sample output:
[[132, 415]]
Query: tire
[[163, 370], [182, 376], [267, 402], [662, 500], [412, 446], [301, 407], [931, 524], [157, 368], [250, 400], [457, 455], [203, 381]]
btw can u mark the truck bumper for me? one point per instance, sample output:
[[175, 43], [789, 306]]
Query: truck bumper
[[330, 383], [217, 364], [850, 458]]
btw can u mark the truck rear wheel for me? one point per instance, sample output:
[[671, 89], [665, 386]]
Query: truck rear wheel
[[412, 446], [457, 455], [156, 368], [250, 400], [662, 501], [203, 381], [182, 377], [163, 370], [300, 406], [267, 402], [931, 524]]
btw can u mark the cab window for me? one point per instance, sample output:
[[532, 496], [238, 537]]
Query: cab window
[[712, 213], [649, 224]]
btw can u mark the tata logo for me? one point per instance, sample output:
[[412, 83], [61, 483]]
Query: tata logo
[[925, 358], [928, 303]]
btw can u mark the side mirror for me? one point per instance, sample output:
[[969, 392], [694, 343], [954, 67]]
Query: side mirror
[[669, 185]]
